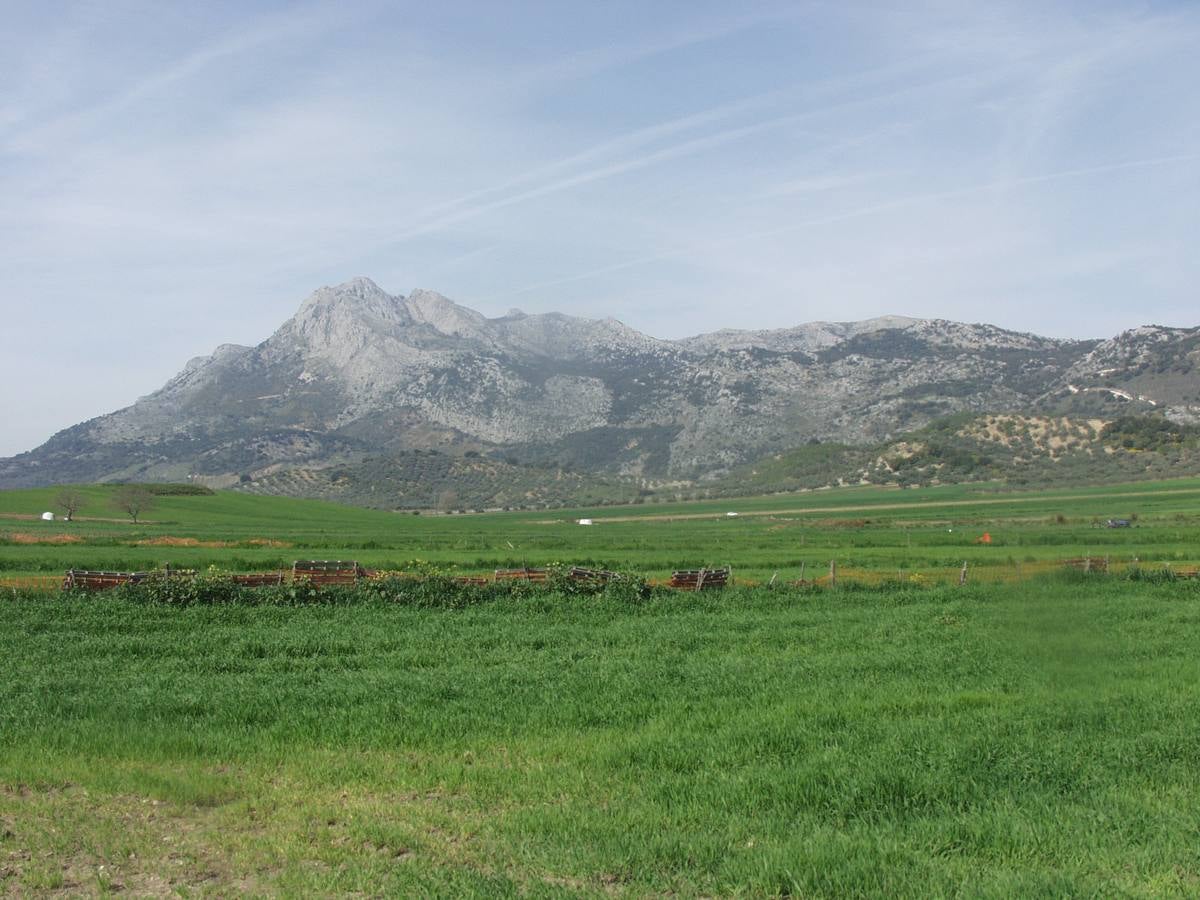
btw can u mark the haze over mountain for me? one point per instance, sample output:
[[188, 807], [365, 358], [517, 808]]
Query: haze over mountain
[[360, 373]]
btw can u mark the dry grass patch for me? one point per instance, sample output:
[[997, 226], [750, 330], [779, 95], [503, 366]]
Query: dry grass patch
[[67, 840], [23, 537], [167, 540], [197, 829]]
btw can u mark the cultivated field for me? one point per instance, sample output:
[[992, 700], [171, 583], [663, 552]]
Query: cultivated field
[[891, 533], [1030, 733]]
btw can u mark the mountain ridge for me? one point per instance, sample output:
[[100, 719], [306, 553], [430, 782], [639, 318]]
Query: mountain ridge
[[357, 372]]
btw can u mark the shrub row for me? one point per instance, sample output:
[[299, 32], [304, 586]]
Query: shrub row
[[443, 592], [435, 591]]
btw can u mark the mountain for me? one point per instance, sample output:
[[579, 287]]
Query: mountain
[[358, 375]]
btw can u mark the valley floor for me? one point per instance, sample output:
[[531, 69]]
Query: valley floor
[[928, 532]]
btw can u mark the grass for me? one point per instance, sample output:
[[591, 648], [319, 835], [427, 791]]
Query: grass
[[903, 742], [885, 530], [914, 739]]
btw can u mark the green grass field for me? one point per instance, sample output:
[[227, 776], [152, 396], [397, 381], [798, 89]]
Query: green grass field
[[915, 738], [903, 742], [888, 531]]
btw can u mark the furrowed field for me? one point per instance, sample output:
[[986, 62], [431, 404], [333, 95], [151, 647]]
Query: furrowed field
[[1032, 732]]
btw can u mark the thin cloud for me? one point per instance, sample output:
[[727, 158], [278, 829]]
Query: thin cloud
[[293, 25], [818, 184], [681, 149], [859, 213], [596, 60], [639, 137]]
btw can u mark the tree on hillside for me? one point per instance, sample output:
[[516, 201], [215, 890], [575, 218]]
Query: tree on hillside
[[133, 500], [69, 501]]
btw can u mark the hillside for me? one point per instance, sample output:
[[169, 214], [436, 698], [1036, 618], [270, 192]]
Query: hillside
[[427, 479], [359, 375], [1011, 449]]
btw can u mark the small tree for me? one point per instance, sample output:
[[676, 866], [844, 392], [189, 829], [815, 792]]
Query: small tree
[[133, 500], [69, 501]]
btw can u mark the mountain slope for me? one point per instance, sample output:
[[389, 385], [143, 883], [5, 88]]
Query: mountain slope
[[360, 374], [1009, 448]]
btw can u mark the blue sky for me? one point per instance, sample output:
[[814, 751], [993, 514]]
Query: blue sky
[[178, 175]]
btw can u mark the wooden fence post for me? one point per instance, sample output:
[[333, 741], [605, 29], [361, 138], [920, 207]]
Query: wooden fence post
[[833, 573], [962, 576]]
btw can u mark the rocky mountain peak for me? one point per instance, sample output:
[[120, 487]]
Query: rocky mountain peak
[[336, 322], [444, 315], [356, 297]]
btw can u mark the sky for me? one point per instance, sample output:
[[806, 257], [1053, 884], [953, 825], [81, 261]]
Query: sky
[[174, 176]]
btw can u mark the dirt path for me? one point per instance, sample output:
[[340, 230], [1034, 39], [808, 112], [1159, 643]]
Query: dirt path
[[919, 504]]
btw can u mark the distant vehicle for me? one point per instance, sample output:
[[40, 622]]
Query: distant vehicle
[[48, 516], [1118, 523], [585, 521], [731, 514]]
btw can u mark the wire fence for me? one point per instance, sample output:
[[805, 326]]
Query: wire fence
[[993, 573]]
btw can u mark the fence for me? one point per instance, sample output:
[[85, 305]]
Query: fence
[[987, 573]]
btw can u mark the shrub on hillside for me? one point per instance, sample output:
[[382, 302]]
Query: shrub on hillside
[[1148, 433], [180, 490]]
